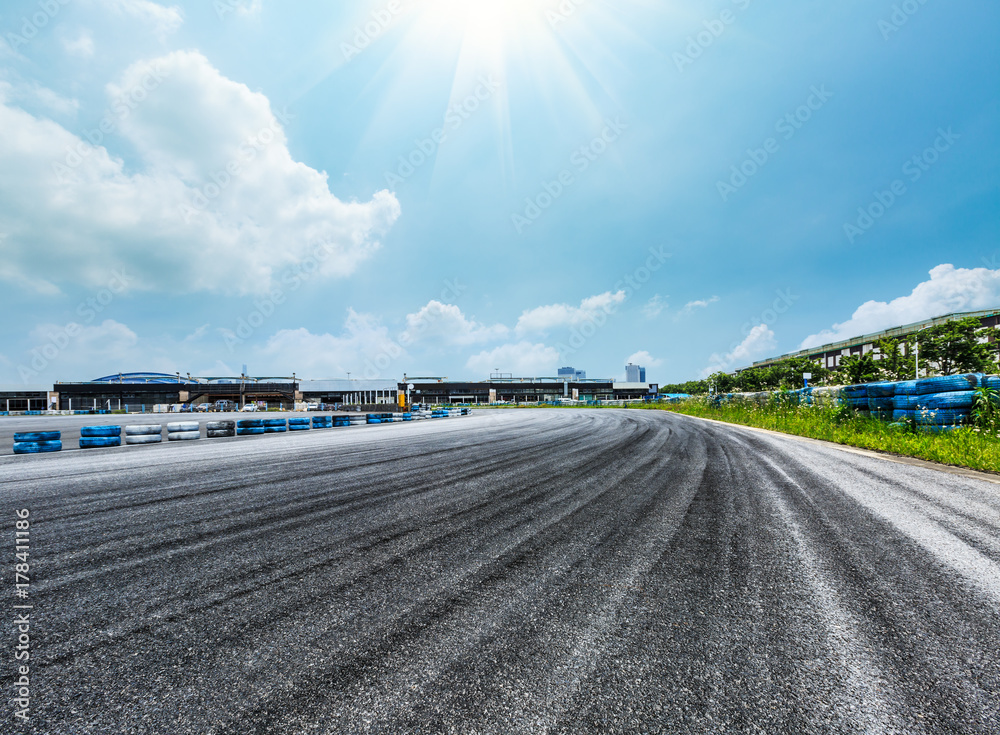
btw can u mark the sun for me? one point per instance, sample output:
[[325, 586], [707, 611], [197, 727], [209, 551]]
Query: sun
[[486, 28]]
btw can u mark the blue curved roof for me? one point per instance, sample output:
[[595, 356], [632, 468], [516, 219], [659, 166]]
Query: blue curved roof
[[138, 378]]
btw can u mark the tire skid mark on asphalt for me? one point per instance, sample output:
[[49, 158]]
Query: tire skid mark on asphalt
[[492, 573], [934, 660], [184, 607], [248, 527]]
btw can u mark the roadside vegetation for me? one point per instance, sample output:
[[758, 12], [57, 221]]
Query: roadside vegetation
[[958, 346], [975, 447]]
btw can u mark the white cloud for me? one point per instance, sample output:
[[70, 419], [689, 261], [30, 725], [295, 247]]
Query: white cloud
[[544, 318], [949, 290], [757, 344], [38, 96], [82, 45], [644, 359], [72, 212], [163, 20], [364, 348], [655, 306], [523, 359], [691, 306], [445, 324]]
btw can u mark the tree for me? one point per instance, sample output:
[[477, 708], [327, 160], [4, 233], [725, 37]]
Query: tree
[[894, 365], [955, 347], [859, 368]]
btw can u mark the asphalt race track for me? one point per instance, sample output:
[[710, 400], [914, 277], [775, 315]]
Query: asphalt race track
[[521, 571]]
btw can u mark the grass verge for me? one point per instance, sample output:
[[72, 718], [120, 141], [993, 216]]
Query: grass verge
[[964, 447]]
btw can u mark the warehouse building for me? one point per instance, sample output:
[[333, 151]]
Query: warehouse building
[[524, 390], [830, 355]]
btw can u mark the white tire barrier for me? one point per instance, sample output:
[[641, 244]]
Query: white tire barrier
[[183, 426], [143, 438], [183, 436], [143, 430]]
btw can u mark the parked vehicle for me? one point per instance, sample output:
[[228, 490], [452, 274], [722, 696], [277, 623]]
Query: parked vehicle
[[250, 407]]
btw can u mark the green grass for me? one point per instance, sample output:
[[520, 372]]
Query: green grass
[[964, 447]]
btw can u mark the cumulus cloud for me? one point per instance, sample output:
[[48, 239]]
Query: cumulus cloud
[[757, 344], [216, 201], [445, 324], [691, 306], [543, 318], [644, 359], [83, 352], [655, 306], [523, 359], [364, 347], [162, 19], [949, 290]]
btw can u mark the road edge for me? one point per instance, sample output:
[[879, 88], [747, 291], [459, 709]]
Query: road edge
[[887, 456]]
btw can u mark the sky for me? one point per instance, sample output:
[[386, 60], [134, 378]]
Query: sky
[[458, 187]]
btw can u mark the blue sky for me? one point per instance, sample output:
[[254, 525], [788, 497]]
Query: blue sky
[[449, 187]]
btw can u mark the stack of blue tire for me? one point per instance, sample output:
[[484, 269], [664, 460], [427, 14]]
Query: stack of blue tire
[[37, 442], [322, 422], [407, 417], [880, 397], [275, 426], [249, 427], [299, 424], [856, 396], [92, 437], [379, 418], [340, 420], [946, 401], [904, 402]]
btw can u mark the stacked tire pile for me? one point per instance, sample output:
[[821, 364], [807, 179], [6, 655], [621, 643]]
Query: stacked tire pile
[[94, 437], [946, 402], [249, 427], [379, 418], [37, 442], [143, 434], [299, 424], [904, 403], [322, 422], [855, 396], [880, 397], [275, 426], [356, 419], [183, 431], [220, 429]]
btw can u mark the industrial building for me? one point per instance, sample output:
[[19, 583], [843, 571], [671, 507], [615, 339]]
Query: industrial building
[[524, 390], [141, 391], [830, 355]]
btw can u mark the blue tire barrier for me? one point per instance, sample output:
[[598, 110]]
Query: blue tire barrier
[[299, 421], [903, 415], [95, 442], [992, 382], [905, 402], [949, 383], [38, 447], [37, 436], [906, 388], [249, 430], [143, 430], [322, 422], [100, 431], [274, 422], [299, 424], [881, 390], [183, 426], [275, 429], [854, 391], [963, 399], [183, 436], [942, 417], [134, 439], [250, 424], [881, 403]]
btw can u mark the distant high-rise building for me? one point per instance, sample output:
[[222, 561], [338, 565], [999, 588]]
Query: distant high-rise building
[[635, 374], [572, 373]]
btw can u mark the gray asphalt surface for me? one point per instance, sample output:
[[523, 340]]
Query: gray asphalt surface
[[531, 571]]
